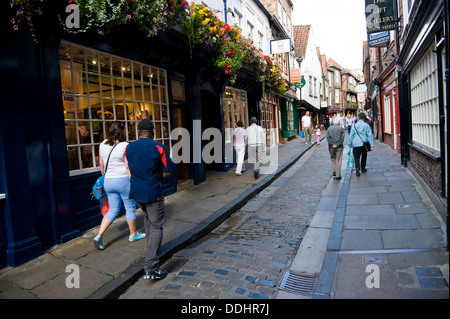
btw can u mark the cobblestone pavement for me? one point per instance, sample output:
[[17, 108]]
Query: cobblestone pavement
[[246, 256]]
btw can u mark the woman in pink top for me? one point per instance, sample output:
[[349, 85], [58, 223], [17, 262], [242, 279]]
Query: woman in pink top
[[239, 146]]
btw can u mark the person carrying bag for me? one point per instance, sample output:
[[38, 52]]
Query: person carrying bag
[[361, 140], [116, 183]]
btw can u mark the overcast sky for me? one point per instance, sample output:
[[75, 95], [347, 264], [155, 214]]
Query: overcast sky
[[339, 28]]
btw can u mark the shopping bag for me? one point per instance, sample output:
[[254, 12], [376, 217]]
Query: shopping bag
[[302, 134], [351, 159], [104, 205]]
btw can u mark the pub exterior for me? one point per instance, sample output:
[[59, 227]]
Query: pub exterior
[[62, 91]]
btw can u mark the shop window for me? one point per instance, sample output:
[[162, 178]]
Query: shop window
[[234, 109], [290, 116], [268, 117], [425, 103], [98, 89]]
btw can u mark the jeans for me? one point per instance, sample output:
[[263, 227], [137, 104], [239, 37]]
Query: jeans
[[360, 155], [118, 190], [153, 223]]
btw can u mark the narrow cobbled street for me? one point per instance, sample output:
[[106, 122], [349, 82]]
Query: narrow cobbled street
[[245, 256]]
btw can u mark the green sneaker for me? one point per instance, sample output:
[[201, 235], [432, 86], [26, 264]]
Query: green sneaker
[[137, 237], [98, 243]]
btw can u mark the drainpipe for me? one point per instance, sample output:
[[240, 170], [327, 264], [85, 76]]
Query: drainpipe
[[225, 12], [447, 76], [380, 104]]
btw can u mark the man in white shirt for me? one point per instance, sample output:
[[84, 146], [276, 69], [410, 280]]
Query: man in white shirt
[[256, 141], [306, 124], [349, 121]]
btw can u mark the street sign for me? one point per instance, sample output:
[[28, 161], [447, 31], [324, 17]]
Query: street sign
[[380, 15]]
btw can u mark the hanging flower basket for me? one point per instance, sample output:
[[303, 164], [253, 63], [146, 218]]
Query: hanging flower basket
[[229, 49]]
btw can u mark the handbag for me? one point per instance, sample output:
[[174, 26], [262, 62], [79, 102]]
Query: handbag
[[98, 190], [366, 144]]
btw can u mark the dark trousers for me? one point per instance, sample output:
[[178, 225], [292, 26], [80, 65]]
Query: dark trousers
[[360, 155], [153, 223]]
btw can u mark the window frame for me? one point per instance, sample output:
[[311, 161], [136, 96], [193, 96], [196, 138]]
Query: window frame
[[424, 93], [124, 79]]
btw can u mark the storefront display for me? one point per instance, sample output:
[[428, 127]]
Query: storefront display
[[98, 89], [235, 108]]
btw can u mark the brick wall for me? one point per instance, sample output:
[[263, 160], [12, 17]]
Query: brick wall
[[428, 169], [389, 140]]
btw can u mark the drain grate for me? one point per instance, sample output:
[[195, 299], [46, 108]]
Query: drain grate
[[174, 263], [298, 283]]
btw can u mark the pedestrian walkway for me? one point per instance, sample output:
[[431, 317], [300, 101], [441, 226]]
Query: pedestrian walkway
[[190, 214], [373, 236], [376, 236]]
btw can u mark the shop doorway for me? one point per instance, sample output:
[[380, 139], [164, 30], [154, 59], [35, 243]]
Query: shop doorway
[[180, 120], [211, 118]]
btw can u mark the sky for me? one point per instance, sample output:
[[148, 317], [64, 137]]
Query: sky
[[339, 28]]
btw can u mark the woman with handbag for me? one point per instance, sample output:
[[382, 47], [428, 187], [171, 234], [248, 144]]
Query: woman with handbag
[[361, 140], [116, 183]]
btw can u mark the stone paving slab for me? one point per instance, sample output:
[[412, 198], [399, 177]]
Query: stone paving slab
[[394, 229], [387, 222]]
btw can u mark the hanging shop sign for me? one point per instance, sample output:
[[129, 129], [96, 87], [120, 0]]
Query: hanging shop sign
[[380, 15], [379, 39], [301, 84], [295, 75], [280, 46], [361, 96]]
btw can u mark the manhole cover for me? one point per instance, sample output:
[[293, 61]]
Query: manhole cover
[[373, 260], [298, 283]]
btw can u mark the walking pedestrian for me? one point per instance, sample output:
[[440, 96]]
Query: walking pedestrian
[[256, 141], [335, 138], [318, 133], [117, 183], [349, 121], [360, 133], [307, 127], [239, 146], [149, 163]]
